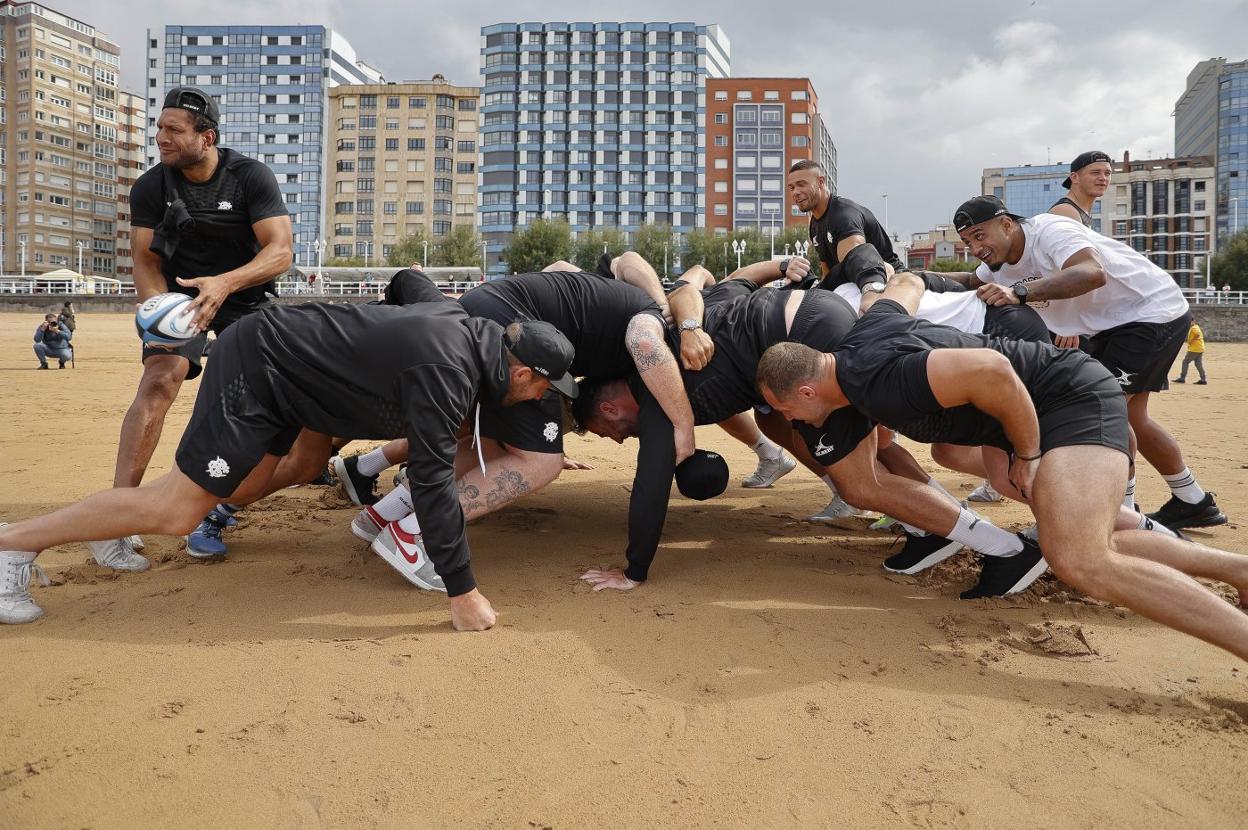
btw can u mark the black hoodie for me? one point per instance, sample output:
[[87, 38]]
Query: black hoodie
[[382, 372]]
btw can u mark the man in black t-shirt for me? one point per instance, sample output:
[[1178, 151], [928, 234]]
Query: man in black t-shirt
[[208, 223], [317, 367], [1060, 416]]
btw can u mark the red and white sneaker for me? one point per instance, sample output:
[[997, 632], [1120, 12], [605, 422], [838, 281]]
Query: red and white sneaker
[[367, 524], [406, 554]]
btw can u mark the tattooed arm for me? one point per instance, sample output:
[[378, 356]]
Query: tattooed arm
[[661, 374]]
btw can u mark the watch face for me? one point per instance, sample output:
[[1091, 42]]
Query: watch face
[[873, 288], [689, 325]]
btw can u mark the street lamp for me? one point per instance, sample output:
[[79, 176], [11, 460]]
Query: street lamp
[[368, 251], [484, 263], [800, 248], [320, 245], [725, 260], [886, 214], [79, 246], [425, 259], [665, 260], [22, 244], [738, 248], [774, 212]]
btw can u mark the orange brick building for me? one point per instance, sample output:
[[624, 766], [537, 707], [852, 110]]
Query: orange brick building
[[755, 129]]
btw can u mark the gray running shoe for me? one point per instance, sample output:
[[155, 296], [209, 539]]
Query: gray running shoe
[[406, 554], [136, 542], [118, 555], [985, 493], [367, 524], [769, 471], [839, 513], [17, 606]]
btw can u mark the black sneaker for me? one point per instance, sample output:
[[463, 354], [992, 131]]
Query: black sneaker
[[1179, 380], [921, 553], [361, 489], [1005, 575], [1177, 514], [1202, 383]]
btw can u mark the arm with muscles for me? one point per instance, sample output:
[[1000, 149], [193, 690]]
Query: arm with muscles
[[984, 379], [647, 504], [661, 375], [274, 235], [149, 279], [696, 346], [761, 273], [632, 268], [1080, 273], [435, 401]]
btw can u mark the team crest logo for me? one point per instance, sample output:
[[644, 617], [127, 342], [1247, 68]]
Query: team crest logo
[[1124, 378], [822, 448], [225, 206], [831, 241], [551, 432], [218, 467]]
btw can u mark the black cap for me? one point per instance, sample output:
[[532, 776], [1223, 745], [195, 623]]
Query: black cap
[[702, 476], [1083, 160], [193, 99], [545, 350], [979, 209]]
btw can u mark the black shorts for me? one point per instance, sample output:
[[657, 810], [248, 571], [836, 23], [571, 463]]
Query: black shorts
[[195, 348], [1140, 354], [1015, 322], [836, 437], [230, 430], [535, 426], [1092, 411], [822, 321]]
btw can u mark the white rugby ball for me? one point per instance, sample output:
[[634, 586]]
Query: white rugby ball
[[163, 319]]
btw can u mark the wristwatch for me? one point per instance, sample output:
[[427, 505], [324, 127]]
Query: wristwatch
[[784, 266], [873, 288], [1020, 291], [689, 325]]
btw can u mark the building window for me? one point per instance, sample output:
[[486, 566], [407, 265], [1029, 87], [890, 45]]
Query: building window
[[771, 95], [721, 95], [721, 118], [798, 95], [721, 164], [721, 141], [745, 95], [801, 141]]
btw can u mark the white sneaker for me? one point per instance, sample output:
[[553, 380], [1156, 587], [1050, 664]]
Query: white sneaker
[[406, 554], [769, 471], [118, 555], [839, 513], [17, 606], [984, 492], [367, 524], [136, 542]]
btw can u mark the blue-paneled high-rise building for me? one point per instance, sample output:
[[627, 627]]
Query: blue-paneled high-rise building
[[1211, 119], [599, 124], [272, 83]]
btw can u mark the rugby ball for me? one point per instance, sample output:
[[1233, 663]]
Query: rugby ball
[[163, 319]]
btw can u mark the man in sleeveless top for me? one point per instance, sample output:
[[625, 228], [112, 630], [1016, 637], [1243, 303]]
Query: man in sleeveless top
[[1087, 182]]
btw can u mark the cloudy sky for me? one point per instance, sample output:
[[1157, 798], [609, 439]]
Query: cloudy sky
[[919, 96]]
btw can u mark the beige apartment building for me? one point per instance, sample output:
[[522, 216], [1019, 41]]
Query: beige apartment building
[[58, 142], [131, 161], [402, 156]]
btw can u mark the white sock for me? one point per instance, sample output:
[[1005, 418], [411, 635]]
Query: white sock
[[394, 505], [983, 536], [1157, 527], [1128, 498], [372, 463], [931, 482], [766, 449], [409, 524], [1184, 486], [827, 479]]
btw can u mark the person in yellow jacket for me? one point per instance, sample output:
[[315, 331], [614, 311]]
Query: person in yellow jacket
[[1195, 354]]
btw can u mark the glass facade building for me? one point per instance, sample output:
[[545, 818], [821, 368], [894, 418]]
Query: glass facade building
[[598, 124], [1032, 188], [1211, 119], [272, 84]]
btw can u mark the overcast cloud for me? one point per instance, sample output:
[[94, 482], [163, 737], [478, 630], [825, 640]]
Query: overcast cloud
[[918, 96]]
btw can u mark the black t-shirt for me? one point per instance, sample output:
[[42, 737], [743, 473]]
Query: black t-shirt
[[843, 219], [881, 366], [241, 192], [592, 312]]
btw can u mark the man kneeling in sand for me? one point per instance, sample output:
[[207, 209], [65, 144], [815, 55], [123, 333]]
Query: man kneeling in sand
[[318, 367]]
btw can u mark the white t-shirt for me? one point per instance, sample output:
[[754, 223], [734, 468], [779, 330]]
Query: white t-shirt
[[961, 310], [1135, 290]]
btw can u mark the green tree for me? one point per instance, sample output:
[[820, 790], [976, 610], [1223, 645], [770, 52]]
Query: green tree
[[589, 245], [652, 242], [538, 245], [1230, 266], [704, 247], [952, 266], [409, 249], [461, 248]]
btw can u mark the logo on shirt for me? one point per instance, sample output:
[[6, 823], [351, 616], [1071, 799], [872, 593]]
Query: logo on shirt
[[551, 432], [225, 206], [1124, 378], [822, 448], [218, 467], [831, 241]]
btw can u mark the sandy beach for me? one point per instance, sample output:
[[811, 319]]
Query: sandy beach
[[770, 673]]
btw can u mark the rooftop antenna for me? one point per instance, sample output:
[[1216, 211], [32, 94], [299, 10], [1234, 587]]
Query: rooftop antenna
[[1048, 151]]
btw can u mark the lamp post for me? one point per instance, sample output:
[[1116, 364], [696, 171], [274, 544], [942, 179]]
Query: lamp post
[[1, 253], [79, 246], [800, 248], [738, 248], [368, 251], [483, 260], [425, 258], [725, 260], [21, 243], [886, 214], [320, 245], [664, 260]]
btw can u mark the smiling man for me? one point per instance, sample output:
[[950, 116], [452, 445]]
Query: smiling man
[[1087, 182], [1097, 294], [210, 223]]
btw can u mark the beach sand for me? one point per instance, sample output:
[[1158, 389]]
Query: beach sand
[[770, 673]]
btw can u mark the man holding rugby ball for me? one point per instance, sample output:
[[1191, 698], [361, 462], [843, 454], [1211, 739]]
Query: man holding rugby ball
[[210, 223]]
